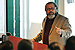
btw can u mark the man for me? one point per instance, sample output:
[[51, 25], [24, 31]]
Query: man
[[25, 44], [56, 27]]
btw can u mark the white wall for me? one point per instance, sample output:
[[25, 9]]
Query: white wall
[[2, 17], [36, 16], [61, 7]]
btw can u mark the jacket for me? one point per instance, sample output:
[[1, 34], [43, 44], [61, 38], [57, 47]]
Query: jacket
[[60, 22]]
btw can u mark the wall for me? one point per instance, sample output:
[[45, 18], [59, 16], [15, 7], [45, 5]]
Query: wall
[[2, 17], [61, 7]]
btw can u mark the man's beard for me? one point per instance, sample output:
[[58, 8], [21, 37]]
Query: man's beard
[[50, 16]]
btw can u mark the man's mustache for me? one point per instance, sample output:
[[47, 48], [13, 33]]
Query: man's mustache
[[50, 12]]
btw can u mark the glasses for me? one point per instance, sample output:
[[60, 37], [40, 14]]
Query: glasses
[[51, 9]]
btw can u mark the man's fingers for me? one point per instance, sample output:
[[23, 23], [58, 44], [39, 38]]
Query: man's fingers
[[56, 27]]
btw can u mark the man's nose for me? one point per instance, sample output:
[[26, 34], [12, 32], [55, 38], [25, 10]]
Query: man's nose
[[50, 10]]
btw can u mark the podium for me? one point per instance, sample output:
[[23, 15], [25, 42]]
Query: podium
[[37, 46]]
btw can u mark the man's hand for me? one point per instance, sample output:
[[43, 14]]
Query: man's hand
[[58, 30]]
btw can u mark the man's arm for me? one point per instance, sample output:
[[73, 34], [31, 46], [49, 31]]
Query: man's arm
[[66, 29], [38, 37]]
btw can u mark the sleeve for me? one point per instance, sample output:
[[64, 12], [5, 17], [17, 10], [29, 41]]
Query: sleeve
[[38, 37], [66, 28]]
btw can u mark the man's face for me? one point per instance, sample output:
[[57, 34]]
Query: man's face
[[50, 9]]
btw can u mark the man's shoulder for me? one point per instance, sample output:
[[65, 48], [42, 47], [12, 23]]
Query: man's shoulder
[[62, 16]]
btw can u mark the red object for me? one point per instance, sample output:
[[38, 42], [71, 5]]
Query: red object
[[37, 46]]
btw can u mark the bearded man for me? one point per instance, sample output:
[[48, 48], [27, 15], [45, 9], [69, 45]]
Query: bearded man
[[55, 27]]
